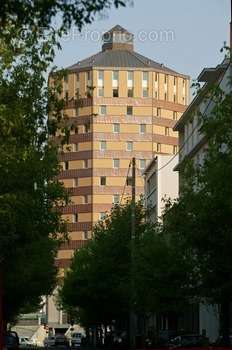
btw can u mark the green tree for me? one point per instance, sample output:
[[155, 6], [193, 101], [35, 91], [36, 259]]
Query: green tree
[[99, 278]]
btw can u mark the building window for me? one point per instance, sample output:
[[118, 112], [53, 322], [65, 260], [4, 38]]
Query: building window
[[85, 163], [158, 147], [100, 92], [145, 92], [158, 112], [100, 78], [116, 163], [165, 79], [75, 217], [129, 110], [103, 145], [145, 76], [175, 79], [115, 75], [116, 199], [85, 234], [103, 181], [129, 146], [76, 147], [102, 216], [166, 131], [86, 128], [76, 130], [66, 165], [142, 164], [130, 79], [75, 182], [85, 199], [116, 128], [77, 111], [130, 92], [102, 110], [77, 78], [129, 181], [156, 94], [174, 149], [156, 77], [66, 95], [165, 96], [115, 92], [174, 97], [142, 128], [174, 115]]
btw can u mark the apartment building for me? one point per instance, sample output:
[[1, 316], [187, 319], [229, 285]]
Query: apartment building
[[121, 104], [161, 183], [193, 145]]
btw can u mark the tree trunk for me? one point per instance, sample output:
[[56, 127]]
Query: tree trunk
[[225, 322]]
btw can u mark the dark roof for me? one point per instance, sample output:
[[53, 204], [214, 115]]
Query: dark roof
[[120, 59], [117, 29]]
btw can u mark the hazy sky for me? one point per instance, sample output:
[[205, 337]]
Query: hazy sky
[[196, 29]]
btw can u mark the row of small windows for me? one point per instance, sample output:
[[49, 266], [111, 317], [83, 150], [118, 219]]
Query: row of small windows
[[130, 85], [130, 111]]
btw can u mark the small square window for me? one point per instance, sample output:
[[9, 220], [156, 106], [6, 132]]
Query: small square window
[[102, 216], [100, 92], [130, 92], [129, 110], [86, 163], [116, 128], [142, 163], [103, 181], [116, 198], [85, 199], [142, 128], [116, 163], [85, 235], [102, 110], [66, 166], [129, 146], [75, 217], [115, 92], [103, 145]]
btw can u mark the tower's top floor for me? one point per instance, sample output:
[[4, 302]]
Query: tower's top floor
[[118, 38], [118, 53]]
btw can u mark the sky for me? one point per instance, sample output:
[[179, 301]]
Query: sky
[[184, 35]]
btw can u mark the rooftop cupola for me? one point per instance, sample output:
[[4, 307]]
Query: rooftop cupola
[[118, 38]]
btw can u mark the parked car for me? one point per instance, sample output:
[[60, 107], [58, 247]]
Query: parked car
[[76, 340], [61, 340], [25, 342], [188, 340], [11, 341], [49, 341]]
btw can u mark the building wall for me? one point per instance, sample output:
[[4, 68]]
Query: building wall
[[161, 183], [95, 144]]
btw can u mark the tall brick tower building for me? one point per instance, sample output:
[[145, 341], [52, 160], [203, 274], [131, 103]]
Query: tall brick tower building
[[122, 105]]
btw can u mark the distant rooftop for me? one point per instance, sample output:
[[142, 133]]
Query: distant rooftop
[[118, 52]]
